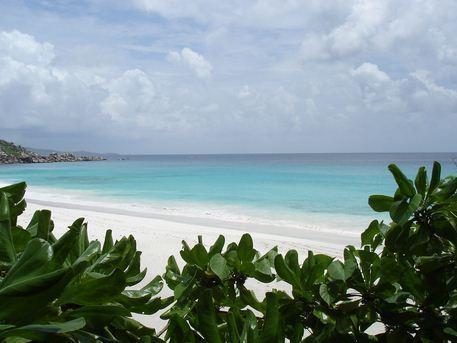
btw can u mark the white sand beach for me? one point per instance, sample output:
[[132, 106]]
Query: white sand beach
[[159, 236]]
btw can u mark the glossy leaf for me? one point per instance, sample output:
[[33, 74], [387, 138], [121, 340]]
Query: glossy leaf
[[405, 185], [207, 318], [6, 238], [380, 203], [218, 265]]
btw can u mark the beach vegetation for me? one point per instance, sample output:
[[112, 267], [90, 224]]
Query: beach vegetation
[[398, 285]]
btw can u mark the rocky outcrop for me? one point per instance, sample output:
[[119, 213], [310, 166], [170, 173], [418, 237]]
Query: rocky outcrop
[[12, 154]]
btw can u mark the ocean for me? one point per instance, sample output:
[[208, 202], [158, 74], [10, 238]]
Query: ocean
[[282, 189]]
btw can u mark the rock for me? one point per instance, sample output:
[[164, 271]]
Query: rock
[[11, 153]]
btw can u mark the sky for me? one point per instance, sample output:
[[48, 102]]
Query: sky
[[233, 76]]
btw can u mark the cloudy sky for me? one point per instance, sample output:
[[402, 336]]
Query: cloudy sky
[[200, 76]]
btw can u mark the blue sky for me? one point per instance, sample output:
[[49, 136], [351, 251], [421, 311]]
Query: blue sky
[[169, 76]]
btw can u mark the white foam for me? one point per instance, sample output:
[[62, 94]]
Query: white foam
[[321, 222]]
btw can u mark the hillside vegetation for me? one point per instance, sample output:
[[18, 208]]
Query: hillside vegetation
[[11, 153], [10, 149], [403, 277]]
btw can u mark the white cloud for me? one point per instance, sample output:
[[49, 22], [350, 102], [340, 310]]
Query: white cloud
[[370, 71], [365, 19], [24, 48], [193, 60], [424, 77], [133, 101], [371, 26], [277, 74]]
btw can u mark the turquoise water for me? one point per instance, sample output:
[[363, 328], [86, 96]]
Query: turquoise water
[[280, 183]]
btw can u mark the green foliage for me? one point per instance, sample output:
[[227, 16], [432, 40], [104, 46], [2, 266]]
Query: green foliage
[[400, 285], [68, 289], [10, 148]]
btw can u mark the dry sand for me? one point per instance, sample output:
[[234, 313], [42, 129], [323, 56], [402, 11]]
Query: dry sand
[[159, 236]]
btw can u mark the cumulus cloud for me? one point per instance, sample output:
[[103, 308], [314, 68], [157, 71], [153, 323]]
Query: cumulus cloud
[[37, 94], [370, 71], [24, 48], [372, 26], [193, 60], [278, 75], [41, 95]]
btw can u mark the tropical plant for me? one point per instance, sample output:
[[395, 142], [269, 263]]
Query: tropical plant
[[399, 286], [68, 289]]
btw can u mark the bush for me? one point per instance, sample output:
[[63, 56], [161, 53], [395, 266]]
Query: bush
[[403, 277]]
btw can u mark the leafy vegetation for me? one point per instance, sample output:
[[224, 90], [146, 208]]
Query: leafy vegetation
[[10, 149], [400, 285], [68, 289]]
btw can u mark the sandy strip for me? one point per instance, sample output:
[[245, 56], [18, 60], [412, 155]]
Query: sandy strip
[[159, 236]]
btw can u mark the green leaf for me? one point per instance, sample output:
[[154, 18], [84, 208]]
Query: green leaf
[[446, 189], [249, 334], [401, 211], [271, 330], [31, 271], [249, 298], [118, 257], [336, 271], [40, 331], [421, 181], [234, 334], [263, 270], [83, 241], [380, 203], [185, 253], [44, 223], [154, 286], [98, 310], [94, 289], [21, 238], [246, 250], [207, 318], [200, 255], [436, 177], [218, 265], [285, 272], [6, 238], [15, 191], [154, 305], [324, 293], [88, 255], [32, 283], [16, 210], [108, 242], [369, 234], [133, 273], [313, 268], [62, 246], [32, 227], [98, 315], [216, 248], [405, 185], [172, 273], [291, 260]]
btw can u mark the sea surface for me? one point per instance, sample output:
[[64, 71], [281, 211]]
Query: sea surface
[[268, 188]]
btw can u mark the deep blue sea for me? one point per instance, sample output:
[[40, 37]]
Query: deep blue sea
[[278, 186]]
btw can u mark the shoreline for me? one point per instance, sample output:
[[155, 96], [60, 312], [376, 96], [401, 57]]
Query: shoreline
[[333, 232], [204, 213], [327, 236], [158, 239], [320, 237], [323, 233], [160, 236]]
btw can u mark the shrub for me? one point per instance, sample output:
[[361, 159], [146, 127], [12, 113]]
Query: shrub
[[402, 278], [68, 289]]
